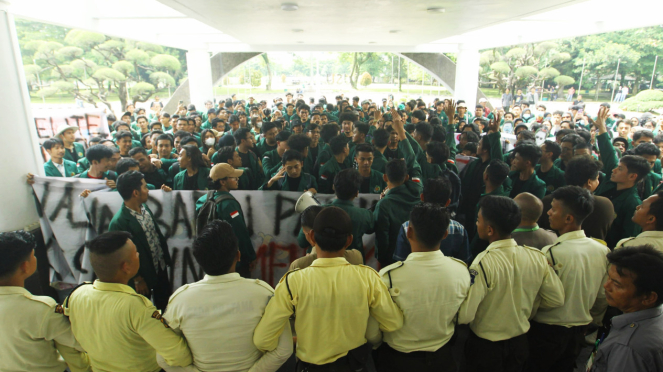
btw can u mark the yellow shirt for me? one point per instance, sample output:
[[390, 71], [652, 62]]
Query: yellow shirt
[[582, 266], [121, 330], [353, 256], [333, 300], [35, 337], [653, 238], [509, 282], [429, 288]]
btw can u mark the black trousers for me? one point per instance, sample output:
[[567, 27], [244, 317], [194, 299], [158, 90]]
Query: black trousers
[[340, 365], [554, 348], [162, 290], [389, 360], [482, 355]]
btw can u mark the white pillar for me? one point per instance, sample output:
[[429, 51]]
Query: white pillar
[[467, 75], [19, 141], [200, 77]]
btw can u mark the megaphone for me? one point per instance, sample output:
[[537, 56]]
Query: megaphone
[[306, 200]]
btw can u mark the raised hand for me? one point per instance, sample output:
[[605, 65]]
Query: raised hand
[[603, 114], [450, 110]]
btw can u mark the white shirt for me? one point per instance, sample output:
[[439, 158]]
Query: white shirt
[[582, 266], [653, 238], [429, 288], [218, 315], [35, 337], [60, 168]]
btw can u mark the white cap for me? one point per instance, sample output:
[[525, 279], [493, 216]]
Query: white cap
[[482, 100]]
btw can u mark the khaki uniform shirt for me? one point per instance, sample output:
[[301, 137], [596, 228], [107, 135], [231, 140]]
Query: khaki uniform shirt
[[333, 290], [35, 337], [218, 315], [121, 330], [508, 283], [429, 288], [653, 238], [581, 264], [353, 256]]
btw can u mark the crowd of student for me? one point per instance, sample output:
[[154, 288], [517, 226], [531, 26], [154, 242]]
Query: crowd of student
[[538, 249]]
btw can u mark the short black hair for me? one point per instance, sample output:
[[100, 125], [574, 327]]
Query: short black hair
[[308, 216], [472, 147], [98, 152], [572, 138], [348, 116], [656, 210], [329, 131], [233, 118], [396, 170], [283, 136], [529, 152], [163, 137], [338, 144], [622, 140], [128, 182], [303, 107], [15, 248], [123, 134], [215, 247], [108, 242], [636, 164], [292, 154], [554, 147], [578, 201], [240, 134], [429, 222], [437, 191], [580, 169], [299, 142], [347, 183], [425, 130], [137, 150], [224, 154], [526, 135], [362, 128], [497, 172], [419, 115], [471, 136], [381, 138], [645, 264], [363, 147], [647, 148], [438, 151], [500, 212], [439, 133], [49, 143], [120, 123], [267, 126], [563, 132], [124, 164]]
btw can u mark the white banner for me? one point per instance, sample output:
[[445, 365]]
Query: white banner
[[69, 221]]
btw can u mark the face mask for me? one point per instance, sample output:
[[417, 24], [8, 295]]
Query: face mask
[[209, 142], [259, 124], [526, 116]]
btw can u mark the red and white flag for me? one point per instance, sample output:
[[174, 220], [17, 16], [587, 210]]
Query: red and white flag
[[234, 214]]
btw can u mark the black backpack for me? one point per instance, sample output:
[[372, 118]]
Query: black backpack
[[207, 212]]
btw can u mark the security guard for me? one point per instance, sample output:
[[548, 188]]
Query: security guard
[[509, 282], [291, 177], [557, 335], [649, 216], [222, 343], [57, 166], [321, 296], [225, 178], [35, 337], [428, 326], [73, 150], [119, 329]]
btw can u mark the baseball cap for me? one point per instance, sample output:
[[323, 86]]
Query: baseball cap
[[481, 100], [332, 222], [63, 128], [192, 107], [224, 170]]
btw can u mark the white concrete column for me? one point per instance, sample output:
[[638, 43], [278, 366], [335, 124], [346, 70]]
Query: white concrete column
[[467, 75], [19, 141], [200, 77]]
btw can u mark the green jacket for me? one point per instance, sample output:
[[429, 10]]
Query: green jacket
[[79, 149], [157, 178], [231, 212], [554, 178], [306, 182], [329, 171], [650, 183], [262, 147], [111, 175], [376, 183], [70, 169], [125, 221], [534, 185], [379, 162], [203, 173], [625, 203], [560, 164], [83, 164], [362, 221], [390, 213], [310, 163], [271, 162], [257, 175]]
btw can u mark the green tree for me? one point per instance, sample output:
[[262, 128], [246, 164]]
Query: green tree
[[365, 79]]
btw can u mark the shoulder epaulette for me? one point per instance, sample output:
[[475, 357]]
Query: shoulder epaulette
[[459, 261], [606, 244], [555, 265], [264, 285], [178, 291], [387, 270]]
